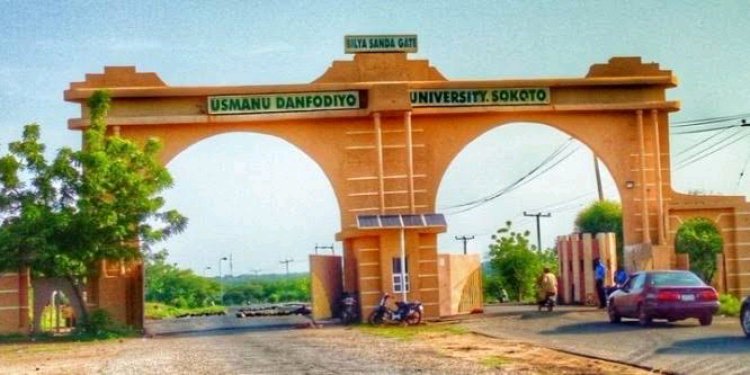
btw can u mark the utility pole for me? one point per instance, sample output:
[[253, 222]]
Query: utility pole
[[538, 228], [464, 239], [255, 271], [598, 179], [324, 247], [286, 263]]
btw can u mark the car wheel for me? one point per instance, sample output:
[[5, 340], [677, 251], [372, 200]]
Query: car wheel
[[614, 317], [706, 320], [745, 319], [643, 319]]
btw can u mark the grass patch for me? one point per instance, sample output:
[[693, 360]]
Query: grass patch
[[729, 305], [409, 332], [158, 311], [494, 361]]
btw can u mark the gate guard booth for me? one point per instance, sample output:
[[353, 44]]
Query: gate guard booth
[[384, 129]]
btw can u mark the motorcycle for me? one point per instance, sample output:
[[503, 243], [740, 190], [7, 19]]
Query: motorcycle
[[548, 302], [349, 308], [409, 313]]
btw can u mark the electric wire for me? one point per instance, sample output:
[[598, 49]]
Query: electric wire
[[703, 150], [544, 162], [705, 130], [710, 120], [742, 173], [693, 146], [713, 152], [515, 185], [509, 189]]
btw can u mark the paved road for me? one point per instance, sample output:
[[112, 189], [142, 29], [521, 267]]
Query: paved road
[[229, 321], [680, 347]]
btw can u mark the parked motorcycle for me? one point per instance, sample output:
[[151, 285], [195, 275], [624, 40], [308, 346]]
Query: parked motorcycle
[[548, 302], [349, 308], [409, 313]]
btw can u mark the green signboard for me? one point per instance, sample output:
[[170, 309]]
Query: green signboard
[[277, 103], [380, 43], [479, 97]]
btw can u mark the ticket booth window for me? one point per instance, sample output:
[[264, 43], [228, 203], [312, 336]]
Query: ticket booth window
[[398, 284]]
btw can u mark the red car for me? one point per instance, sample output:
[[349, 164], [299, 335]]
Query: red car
[[745, 317], [670, 295]]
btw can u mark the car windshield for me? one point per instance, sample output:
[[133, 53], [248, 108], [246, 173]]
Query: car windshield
[[675, 279]]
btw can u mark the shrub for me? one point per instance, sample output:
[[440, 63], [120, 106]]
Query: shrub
[[730, 305]]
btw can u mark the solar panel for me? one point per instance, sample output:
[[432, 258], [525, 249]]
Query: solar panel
[[435, 220], [368, 221], [412, 220], [391, 221], [400, 221]]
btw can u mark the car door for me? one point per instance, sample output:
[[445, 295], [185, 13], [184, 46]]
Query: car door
[[631, 295]]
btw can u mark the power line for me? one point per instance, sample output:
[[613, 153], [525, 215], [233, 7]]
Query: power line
[[709, 120], [686, 163], [703, 151], [693, 146], [556, 152], [531, 176], [705, 130]]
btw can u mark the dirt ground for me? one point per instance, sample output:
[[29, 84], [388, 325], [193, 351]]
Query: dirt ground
[[435, 349]]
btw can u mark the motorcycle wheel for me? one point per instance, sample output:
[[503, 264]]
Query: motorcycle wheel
[[375, 318], [550, 306], [414, 318]]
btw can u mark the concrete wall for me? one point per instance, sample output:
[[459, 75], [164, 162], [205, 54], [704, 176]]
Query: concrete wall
[[576, 253], [460, 278], [325, 285], [14, 302]]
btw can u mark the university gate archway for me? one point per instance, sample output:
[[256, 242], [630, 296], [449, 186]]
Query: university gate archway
[[384, 129]]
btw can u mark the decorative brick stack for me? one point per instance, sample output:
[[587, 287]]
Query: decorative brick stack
[[576, 254]]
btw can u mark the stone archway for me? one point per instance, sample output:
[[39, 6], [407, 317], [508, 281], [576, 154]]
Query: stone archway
[[385, 150]]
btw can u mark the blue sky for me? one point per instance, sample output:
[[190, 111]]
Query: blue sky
[[46, 45]]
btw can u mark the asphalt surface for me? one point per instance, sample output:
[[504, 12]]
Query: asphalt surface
[[225, 322], [681, 347]]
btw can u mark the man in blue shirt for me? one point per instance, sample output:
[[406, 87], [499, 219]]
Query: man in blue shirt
[[621, 277], [600, 273]]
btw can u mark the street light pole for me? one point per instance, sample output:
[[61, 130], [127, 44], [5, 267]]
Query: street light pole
[[221, 282], [206, 269]]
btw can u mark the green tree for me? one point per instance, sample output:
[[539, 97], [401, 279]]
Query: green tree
[[61, 217], [699, 238], [517, 266], [603, 217], [166, 283]]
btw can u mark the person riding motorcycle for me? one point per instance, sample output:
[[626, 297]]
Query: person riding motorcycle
[[547, 288]]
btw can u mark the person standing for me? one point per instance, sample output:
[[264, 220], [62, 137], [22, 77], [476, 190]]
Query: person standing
[[621, 277], [600, 273]]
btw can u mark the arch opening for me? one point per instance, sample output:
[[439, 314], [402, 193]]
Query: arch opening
[[699, 239], [513, 168], [256, 209]]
